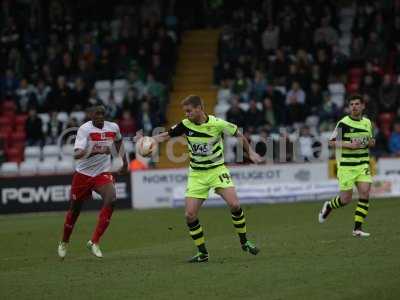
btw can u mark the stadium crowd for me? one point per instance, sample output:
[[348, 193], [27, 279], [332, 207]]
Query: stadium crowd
[[283, 71], [57, 60], [288, 72]]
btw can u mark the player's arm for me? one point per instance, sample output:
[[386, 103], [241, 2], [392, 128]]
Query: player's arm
[[232, 129], [336, 139], [82, 147], [175, 131], [371, 141], [119, 145], [254, 157]]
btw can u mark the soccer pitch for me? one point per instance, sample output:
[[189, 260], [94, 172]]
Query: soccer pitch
[[145, 253]]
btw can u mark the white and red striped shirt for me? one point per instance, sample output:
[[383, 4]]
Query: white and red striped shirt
[[90, 137]]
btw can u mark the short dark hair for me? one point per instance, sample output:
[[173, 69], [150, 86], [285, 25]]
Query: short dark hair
[[355, 97], [193, 100], [96, 107]]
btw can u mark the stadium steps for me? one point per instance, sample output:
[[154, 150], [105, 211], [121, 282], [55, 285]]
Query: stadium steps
[[194, 75]]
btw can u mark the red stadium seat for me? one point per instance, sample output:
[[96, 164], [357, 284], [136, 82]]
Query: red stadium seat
[[20, 120], [352, 87], [385, 123], [386, 119], [4, 135], [356, 73], [15, 154], [20, 128], [18, 137], [8, 106], [6, 120]]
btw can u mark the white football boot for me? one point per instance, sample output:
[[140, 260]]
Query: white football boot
[[324, 213], [62, 249], [94, 249], [360, 233]]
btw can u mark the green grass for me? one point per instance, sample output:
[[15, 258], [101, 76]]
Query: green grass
[[145, 253]]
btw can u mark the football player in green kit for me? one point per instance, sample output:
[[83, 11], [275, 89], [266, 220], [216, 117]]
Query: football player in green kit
[[204, 135], [353, 136]]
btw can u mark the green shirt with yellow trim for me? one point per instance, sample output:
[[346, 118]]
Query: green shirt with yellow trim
[[205, 141], [348, 130]]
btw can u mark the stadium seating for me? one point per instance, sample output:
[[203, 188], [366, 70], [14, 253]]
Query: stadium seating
[[65, 167], [32, 153], [51, 153], [9, 169], [46, 167], [28, 168]]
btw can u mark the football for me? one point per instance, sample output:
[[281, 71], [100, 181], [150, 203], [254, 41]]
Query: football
[[146, 146]]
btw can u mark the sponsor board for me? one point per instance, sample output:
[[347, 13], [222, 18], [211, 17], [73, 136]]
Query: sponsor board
[[155, 188], [294, 191], [389, 166], [50, 193]]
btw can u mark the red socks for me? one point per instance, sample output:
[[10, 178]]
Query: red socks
[[102, 224], [70, 219]]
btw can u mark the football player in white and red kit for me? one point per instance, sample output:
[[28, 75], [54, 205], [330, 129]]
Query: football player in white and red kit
[[92, 150]]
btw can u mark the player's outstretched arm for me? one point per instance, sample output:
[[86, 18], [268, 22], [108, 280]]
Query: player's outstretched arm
[[345, 144], [162, 137], [254, 157]]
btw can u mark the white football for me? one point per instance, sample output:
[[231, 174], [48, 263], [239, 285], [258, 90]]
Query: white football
[[146, 146]]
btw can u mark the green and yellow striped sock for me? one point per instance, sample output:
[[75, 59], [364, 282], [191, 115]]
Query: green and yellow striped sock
[[360, 213], [239, 221], [336, 202], [196, 232]]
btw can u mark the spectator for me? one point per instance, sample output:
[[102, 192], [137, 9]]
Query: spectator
[[270, 38], [314, 98], [254, 117], [8, 84], [326, 35], [261, 146], [394, 140], [295, 100], [154, 88], [33, 129], [235, 113], [146, 119], [241, 85], [41, 92], [25, 96], [375, 49], [388, 95], [268, 112], [60, 96], [224, 93], [259, 85], [135, 82], [53, 128], [127, 124], [80, 95], [309, 146]]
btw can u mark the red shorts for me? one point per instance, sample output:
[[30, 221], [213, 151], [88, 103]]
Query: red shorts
[[83, 185]]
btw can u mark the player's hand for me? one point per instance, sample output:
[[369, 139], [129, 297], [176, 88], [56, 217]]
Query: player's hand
[[255, 158], [371, 143], [355, 144], [124, 169], [138, 135]]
